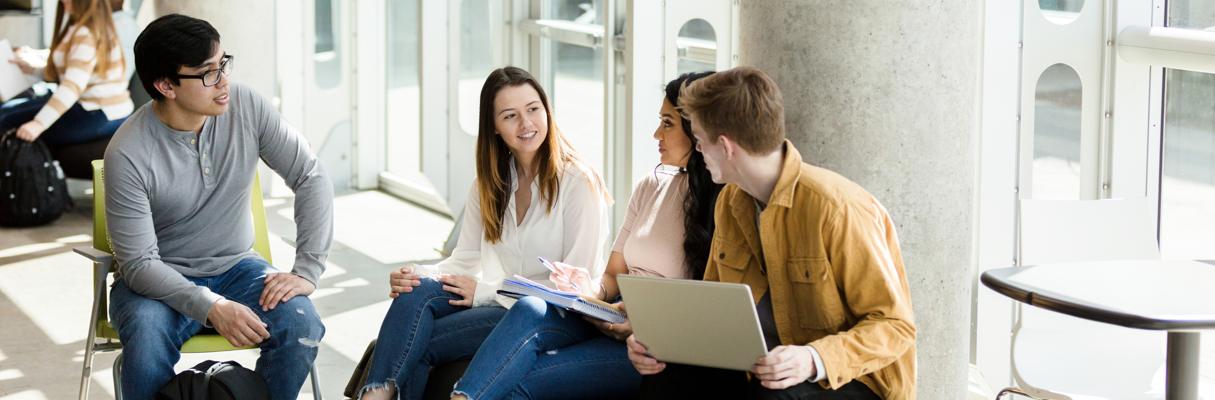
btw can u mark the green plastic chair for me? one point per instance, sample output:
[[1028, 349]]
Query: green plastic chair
[[103, 264]]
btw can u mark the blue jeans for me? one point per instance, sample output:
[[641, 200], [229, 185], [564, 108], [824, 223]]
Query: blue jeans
[[539, 352], [152, 333], [423, 330], [75, 126]]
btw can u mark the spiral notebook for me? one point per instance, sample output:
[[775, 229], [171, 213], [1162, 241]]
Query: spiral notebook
[[519, 286]]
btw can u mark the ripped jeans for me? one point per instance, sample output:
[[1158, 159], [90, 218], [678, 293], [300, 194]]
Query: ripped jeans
[[152, 333], [423, 330]]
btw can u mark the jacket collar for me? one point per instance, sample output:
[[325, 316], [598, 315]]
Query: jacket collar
[[743, 209], [790, 173], [782, 194]]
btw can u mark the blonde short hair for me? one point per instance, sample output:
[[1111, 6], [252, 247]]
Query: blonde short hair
[[743, 102]]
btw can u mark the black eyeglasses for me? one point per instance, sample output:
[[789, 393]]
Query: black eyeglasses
[[211, 77]]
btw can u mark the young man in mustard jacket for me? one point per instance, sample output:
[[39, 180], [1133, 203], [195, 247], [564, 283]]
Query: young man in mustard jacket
[[819, 252]]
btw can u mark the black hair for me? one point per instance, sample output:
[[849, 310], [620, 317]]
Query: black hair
[[698, 206], [171, 42]]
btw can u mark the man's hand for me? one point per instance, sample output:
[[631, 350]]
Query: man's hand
[[403, 280], [641, 359], [282, 286], [785, 366], [237, 323], [30, 131], [615, 331], [460, 285]]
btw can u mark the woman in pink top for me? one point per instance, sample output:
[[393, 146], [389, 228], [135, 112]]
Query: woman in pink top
[[536, 351]]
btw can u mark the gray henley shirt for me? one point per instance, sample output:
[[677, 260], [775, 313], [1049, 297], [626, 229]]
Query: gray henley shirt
[[177, 203]]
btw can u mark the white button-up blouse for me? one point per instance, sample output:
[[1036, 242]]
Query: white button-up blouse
[[574, 232]]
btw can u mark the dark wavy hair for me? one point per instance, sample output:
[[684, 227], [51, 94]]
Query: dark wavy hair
[[698, 206]]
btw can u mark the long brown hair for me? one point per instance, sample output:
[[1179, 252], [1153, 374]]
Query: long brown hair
[[493, 157], [95, 15]]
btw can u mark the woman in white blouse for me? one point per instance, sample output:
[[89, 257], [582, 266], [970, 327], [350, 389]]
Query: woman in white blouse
[[537, 351], [533, 196]]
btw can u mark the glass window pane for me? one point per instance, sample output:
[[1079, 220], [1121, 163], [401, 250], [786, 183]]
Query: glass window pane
[[1187, 183], [1198, 14], [326, 53], [1056, 169], [697, 47], [1061, 11], [577, 98], [476, 59], [580, 11], [403, 100]]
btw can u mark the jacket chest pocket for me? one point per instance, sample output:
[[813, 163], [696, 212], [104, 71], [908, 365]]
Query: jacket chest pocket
[[732, 260], [815, 295]]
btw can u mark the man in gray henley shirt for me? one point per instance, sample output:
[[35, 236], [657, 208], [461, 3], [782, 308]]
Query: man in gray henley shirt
[[178, 178]]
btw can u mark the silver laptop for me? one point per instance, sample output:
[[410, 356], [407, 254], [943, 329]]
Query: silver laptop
[[709, 324]]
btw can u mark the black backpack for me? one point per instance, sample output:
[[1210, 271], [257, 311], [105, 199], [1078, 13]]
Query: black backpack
[[215, 380], [32, 187]]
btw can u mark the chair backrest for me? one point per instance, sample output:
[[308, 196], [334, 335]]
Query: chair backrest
[[1086, 230], [1059, 231], [101, 239]]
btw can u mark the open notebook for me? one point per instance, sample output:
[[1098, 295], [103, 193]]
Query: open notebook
[[12, 80], [519, 286]]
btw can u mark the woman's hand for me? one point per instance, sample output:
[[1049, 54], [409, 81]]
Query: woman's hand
[[28, 59], [615, 331], [573, 279], [403, 280], [30, 131], [25, 67], [460, 285]]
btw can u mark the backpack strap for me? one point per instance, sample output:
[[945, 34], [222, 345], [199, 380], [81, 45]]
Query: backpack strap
[[202, 378]]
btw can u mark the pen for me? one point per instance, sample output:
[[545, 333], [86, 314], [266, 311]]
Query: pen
[[548, 264]]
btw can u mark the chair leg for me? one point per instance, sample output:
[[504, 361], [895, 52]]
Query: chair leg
[[118, 377], [87, 370], [316, 383], [90, 339]]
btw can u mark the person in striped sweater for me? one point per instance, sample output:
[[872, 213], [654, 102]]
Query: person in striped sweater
[[92, 99]]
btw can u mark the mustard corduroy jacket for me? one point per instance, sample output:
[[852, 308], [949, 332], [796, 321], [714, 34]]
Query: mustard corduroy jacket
[[835, 271]]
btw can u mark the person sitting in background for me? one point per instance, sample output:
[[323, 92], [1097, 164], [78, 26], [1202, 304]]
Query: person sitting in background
[[538, 351], [533, 196], [87, 62], [819, 253]]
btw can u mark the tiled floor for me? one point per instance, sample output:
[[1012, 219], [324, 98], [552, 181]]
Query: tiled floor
[[44, 293]]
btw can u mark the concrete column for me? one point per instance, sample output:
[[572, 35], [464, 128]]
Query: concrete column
[[886, 93], [246, 29]]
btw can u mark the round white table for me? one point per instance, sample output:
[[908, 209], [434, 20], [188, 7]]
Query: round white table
[[1173, 296]]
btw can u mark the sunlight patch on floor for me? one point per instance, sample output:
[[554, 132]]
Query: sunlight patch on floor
[[348, 332], [31, 283]]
